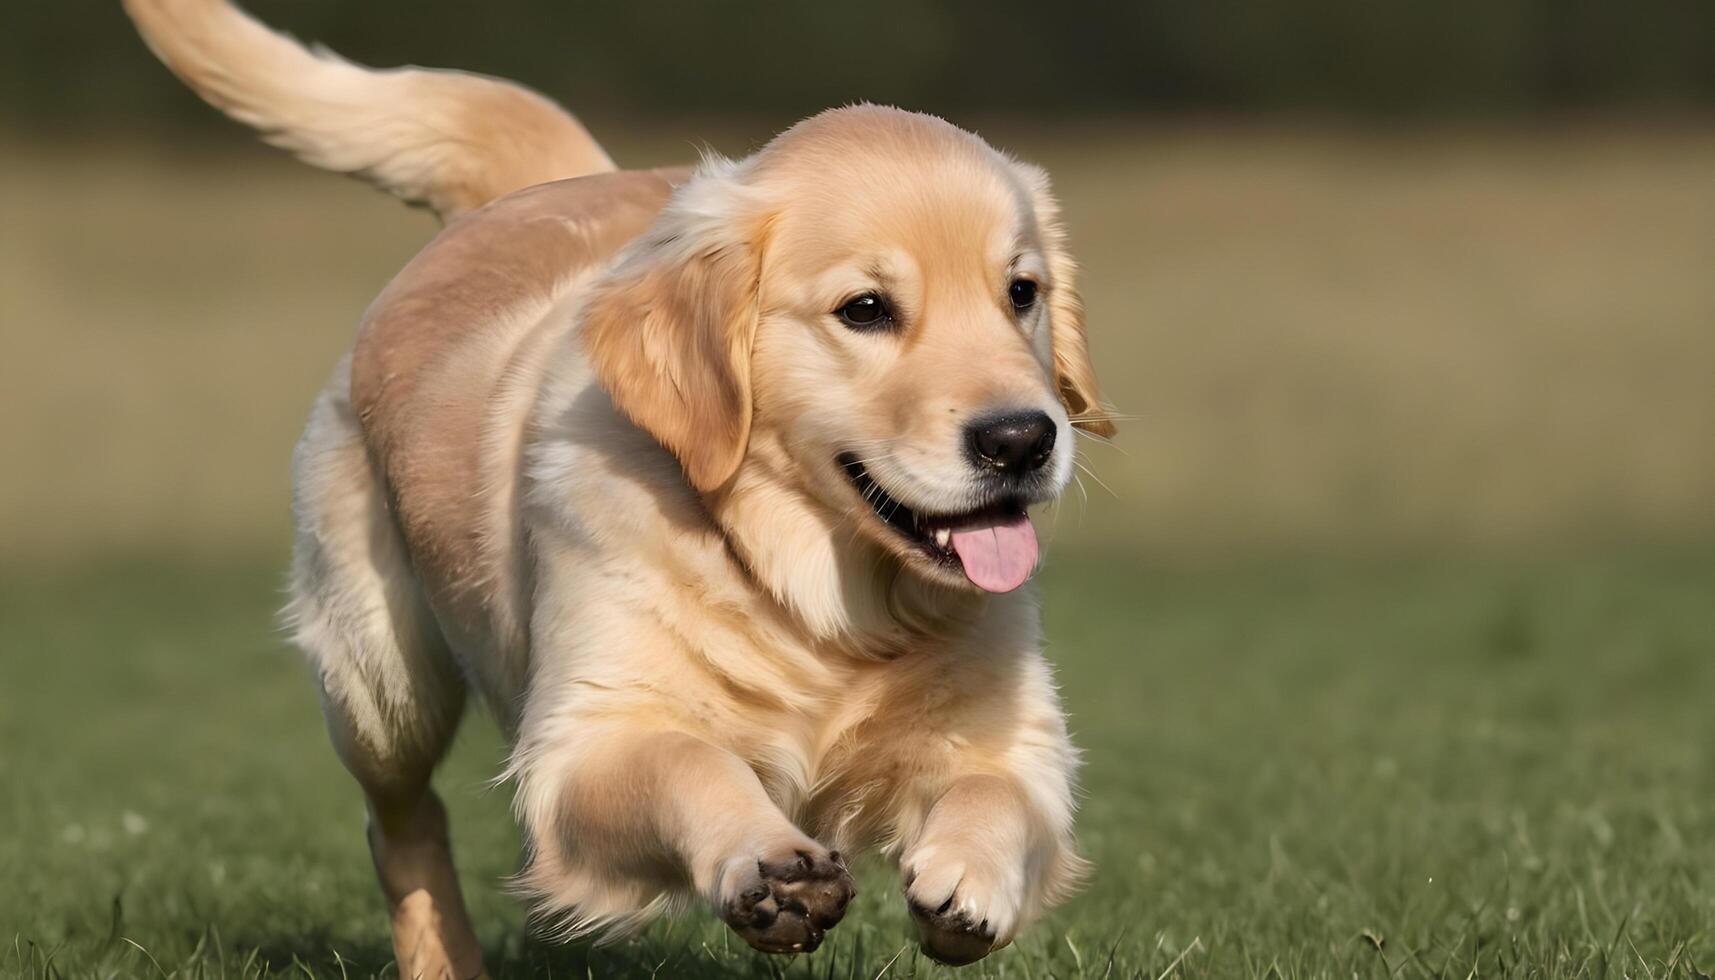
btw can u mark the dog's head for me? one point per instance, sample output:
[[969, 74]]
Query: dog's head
[[877, 311]]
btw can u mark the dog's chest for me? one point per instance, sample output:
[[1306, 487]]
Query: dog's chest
[[883, 743]]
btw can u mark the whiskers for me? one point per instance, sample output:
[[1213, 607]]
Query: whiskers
[[1108, 417], [1103, 416], [1081, 464]]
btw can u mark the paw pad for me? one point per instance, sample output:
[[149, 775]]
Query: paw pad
[[792, 902]]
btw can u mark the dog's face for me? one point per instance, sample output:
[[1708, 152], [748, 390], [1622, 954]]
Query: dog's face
[[883, 301]]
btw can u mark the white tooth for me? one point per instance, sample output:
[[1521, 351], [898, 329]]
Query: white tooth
[[942, 536]]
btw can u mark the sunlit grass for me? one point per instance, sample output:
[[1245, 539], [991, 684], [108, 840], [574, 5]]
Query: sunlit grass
[[1307, 770]]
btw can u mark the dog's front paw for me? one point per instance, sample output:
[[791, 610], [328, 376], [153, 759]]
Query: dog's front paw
[[785, 902], [965, 906]]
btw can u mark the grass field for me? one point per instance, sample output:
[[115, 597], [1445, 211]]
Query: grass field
[[1391, 638], [1322, 770]]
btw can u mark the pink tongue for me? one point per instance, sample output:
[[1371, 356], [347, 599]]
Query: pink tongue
[[998, 557]]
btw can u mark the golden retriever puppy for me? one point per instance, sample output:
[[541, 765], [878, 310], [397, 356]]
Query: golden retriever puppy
[[712, 485]]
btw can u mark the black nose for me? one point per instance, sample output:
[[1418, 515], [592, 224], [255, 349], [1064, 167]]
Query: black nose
[[1014, 444]]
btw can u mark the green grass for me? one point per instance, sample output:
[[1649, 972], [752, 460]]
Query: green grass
[[1444, 769]]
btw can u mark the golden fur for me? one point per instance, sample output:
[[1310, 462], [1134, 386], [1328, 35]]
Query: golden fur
[[581, 461]]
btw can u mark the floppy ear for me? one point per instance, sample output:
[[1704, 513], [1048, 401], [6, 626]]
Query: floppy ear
[[668, 331], [1074, 376]]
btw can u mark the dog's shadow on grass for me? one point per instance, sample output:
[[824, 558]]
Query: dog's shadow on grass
[[320, 954]]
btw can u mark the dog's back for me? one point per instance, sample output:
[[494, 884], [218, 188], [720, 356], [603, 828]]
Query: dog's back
[[444, 373]]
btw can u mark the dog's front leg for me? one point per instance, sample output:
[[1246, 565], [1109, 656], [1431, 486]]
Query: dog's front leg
[[986, 862], [672, 794]]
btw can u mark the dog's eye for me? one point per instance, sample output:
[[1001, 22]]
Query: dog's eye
[[866, 312], [1022, 292]]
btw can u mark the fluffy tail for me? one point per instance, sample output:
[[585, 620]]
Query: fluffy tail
[[448, 139]]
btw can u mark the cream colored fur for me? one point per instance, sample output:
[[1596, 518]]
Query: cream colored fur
[[451, 140], [581, 462]]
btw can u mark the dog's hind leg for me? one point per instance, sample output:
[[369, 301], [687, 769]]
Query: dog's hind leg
[[391, 692]]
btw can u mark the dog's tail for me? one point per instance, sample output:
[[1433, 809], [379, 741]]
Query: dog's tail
[[448, 139]]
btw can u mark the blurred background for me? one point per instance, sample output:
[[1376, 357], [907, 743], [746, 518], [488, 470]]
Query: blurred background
[[1412, 305], [1370, 275]]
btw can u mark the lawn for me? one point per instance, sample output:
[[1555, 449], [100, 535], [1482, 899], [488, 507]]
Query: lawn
[[1323, 769]]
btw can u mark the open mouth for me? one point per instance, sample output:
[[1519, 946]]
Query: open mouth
[[994, 545]]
